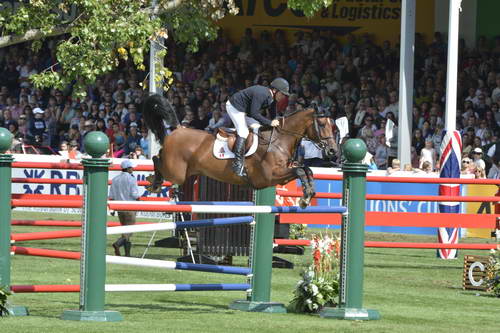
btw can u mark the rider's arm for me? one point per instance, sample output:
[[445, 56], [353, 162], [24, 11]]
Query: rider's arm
[[257, 103]]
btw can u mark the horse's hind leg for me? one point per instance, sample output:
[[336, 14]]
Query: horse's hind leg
[[156, 180], [306, 187]]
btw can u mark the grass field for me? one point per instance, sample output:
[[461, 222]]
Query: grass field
[[412, 290]]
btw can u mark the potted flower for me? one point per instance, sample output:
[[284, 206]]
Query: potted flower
[[493, 272], [4, 292], [319, 286]]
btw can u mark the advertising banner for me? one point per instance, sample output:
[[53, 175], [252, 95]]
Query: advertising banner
[[381, 19]]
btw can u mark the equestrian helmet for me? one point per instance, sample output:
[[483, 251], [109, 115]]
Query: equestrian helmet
[[281, 85]]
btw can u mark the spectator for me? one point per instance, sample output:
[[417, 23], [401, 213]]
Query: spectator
[[124, 188], [133, 139], [73, 152], [477, 155], [428, 154]]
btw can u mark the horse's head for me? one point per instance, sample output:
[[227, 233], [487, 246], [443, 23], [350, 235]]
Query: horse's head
[[321, 132]]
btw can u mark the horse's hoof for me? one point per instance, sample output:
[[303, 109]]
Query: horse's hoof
[[154, 189], [303, 203]]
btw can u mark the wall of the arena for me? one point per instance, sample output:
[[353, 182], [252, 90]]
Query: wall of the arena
[[381, 19], [487, 14], [67, 189], [467, 24], [480, 207]]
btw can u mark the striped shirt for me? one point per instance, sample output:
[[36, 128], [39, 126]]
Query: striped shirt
[[124, 188]]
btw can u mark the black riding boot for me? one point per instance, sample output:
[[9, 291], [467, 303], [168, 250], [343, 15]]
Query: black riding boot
[[128, 246], [239, 157], [116, 245]]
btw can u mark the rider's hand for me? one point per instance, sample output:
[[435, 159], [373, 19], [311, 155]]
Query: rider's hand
[[275, 123]]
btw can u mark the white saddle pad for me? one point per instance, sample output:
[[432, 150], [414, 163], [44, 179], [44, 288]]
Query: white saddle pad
[[222, 152]]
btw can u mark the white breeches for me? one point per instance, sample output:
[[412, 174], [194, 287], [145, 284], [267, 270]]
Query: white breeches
[[240, 120]]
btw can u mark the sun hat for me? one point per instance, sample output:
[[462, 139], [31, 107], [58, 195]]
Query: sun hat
[[126, 164]]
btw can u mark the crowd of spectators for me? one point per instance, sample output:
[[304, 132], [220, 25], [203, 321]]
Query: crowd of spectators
[[355, 78]]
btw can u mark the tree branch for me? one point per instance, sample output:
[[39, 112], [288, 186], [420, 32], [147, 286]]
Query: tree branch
[[34, 34]]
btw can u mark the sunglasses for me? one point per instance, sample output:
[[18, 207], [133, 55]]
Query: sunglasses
[[465, 162]]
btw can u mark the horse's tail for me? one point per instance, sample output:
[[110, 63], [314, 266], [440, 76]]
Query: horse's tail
[[158, 114]]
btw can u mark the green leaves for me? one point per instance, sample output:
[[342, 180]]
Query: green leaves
[[104, 33], [309, 7], [4, 292]]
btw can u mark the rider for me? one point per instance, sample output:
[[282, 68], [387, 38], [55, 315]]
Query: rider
[[244, 109]]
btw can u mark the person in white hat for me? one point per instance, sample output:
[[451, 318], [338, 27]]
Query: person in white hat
[[477, 156], [37, 129], [124, 188]]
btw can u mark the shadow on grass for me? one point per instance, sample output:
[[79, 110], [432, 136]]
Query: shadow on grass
[[392, 254], [433, 267], [172, 306]]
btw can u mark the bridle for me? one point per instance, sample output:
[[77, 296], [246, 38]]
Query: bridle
[[320, 141]]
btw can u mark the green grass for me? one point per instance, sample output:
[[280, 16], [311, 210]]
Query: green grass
[[412, 290]]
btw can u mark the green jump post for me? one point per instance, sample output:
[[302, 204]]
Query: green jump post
[[93, 260], [262, 260], [6, 216], [352, 238]]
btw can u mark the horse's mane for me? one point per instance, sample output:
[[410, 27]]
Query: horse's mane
[[293, 113]]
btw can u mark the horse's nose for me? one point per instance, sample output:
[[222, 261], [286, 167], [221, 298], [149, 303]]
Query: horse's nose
[[331, 152]]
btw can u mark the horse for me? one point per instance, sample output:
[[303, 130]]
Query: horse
[[187, 152]]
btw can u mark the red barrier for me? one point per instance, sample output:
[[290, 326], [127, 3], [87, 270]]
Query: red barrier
[[29, 251], [432, 220], [69, 181], [28, 236], [71, 166], [448, 198], [71, 197], [46, 203], [50, 288], [427, 180], [60, 223], [399, 245]]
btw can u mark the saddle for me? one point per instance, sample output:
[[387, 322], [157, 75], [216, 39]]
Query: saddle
[[225, 139], [229, 134]]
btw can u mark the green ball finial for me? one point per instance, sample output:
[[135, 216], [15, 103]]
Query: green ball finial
[[354, 150], [5, 140], [96, 144]]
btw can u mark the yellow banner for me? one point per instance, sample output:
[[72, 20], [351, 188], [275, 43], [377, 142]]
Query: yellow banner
[[381, 19], [480, 207]]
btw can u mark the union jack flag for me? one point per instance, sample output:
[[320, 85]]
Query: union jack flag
[[451, 155]]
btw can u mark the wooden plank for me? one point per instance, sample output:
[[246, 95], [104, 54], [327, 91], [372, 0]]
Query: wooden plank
[[475, 271]]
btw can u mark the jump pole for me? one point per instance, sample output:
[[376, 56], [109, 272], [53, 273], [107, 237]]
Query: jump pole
[[259, 300], [6, 217], [352, 238], [93, 258]]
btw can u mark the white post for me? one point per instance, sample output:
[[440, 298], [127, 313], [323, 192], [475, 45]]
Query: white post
[[452, 66], [154, 87], [406, 65]]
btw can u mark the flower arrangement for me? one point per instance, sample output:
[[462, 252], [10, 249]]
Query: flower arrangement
[[319, 286], [493, 272], [297, 231], [3, 301]]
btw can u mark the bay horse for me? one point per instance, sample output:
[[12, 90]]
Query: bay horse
[[187, 152]]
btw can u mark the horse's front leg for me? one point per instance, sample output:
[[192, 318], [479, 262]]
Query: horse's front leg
[[156, 180], [308, 191], [310, 178]]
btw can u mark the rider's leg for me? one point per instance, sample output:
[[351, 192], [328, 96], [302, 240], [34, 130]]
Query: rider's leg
[[240, 124]]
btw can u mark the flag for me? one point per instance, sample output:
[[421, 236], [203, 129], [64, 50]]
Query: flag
[[451, 155], [343, 126]]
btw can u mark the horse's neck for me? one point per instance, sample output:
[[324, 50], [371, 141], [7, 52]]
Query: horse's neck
[[297, 124]]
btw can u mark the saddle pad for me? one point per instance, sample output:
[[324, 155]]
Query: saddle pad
[[221, 150]]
